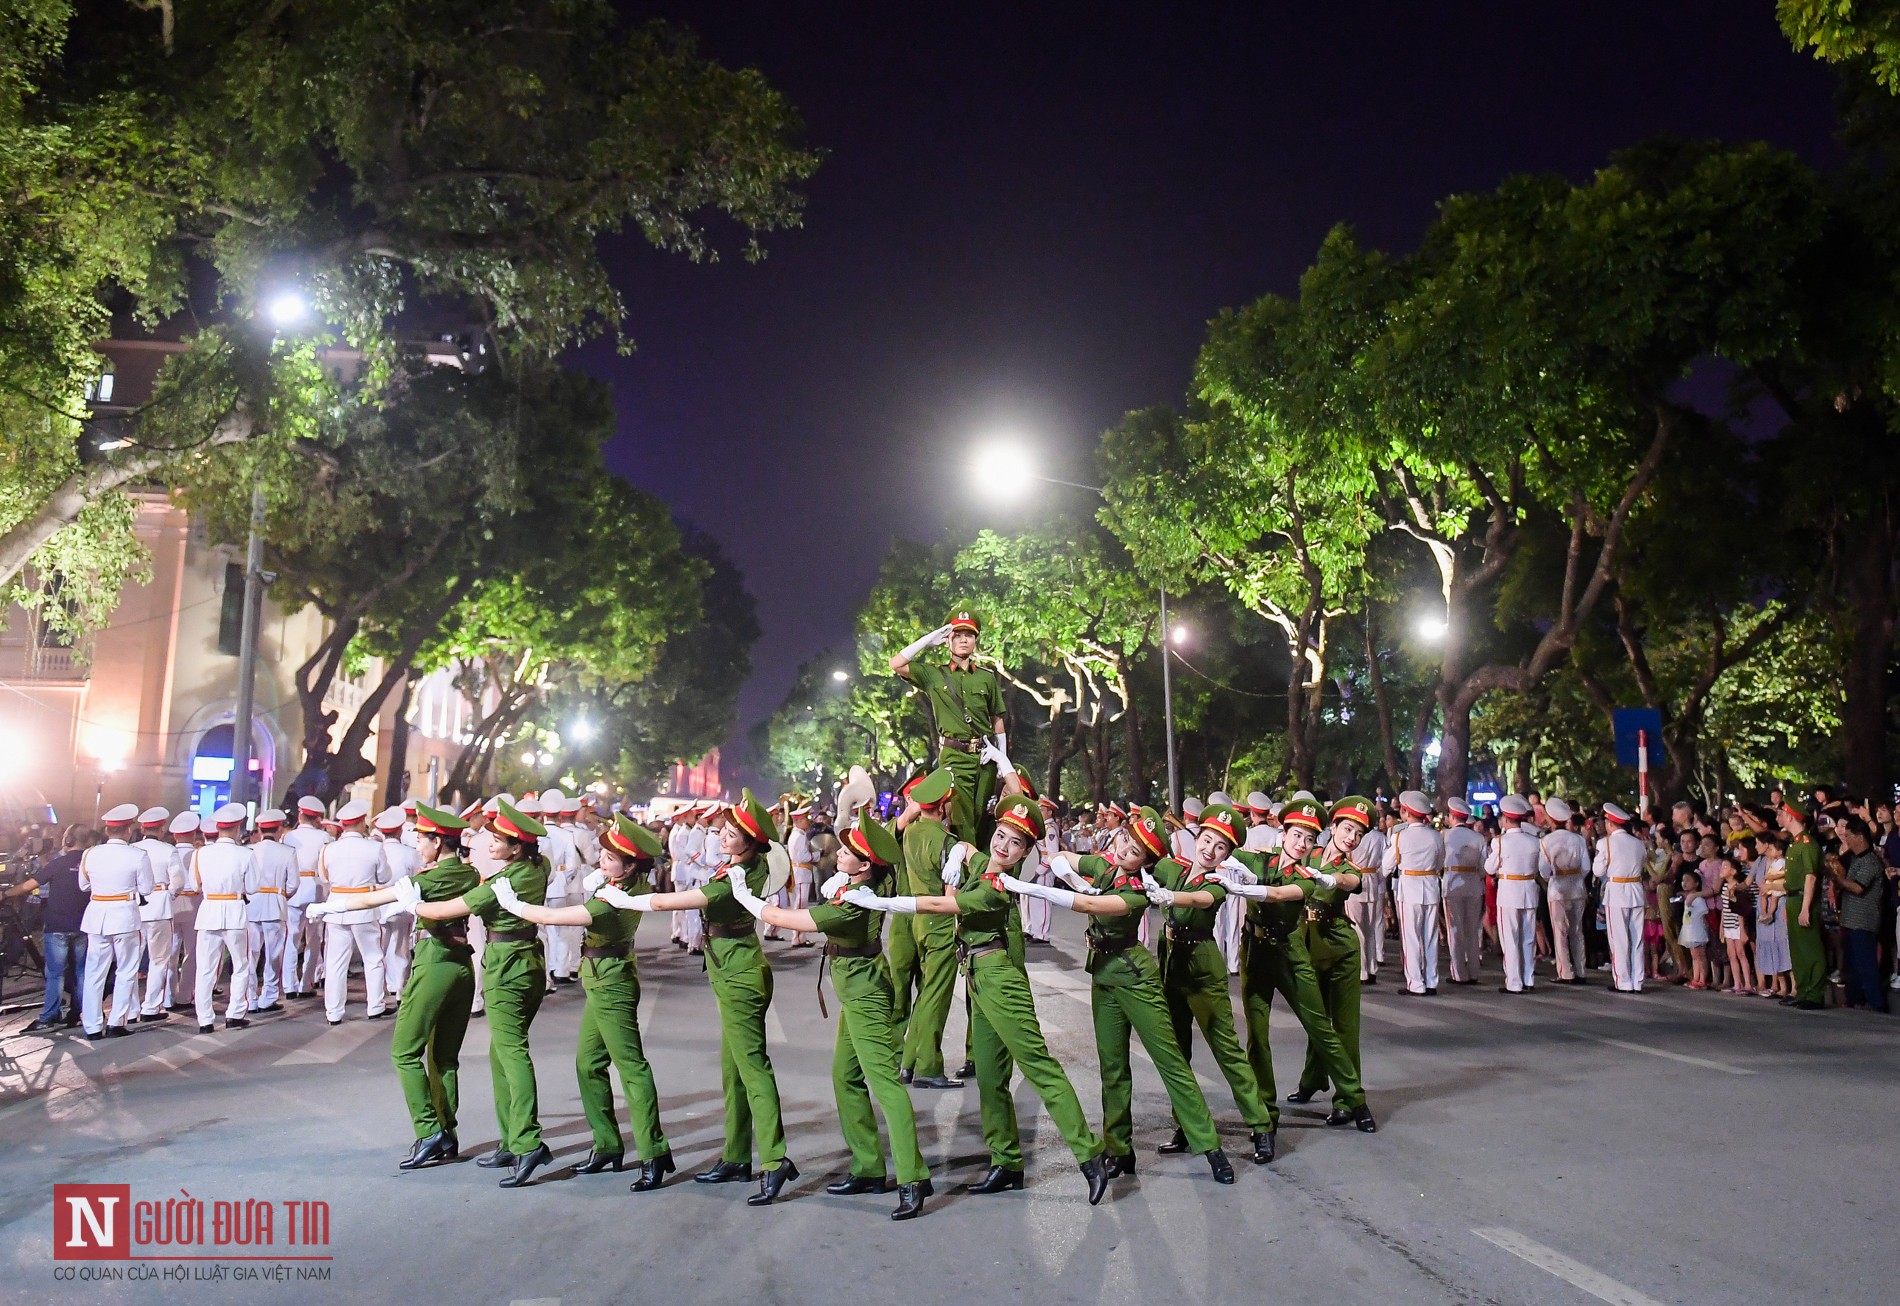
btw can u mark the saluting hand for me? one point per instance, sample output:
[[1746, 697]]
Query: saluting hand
[[941, 635]]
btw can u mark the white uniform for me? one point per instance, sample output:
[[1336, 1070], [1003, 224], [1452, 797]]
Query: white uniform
[[155, 923], [1366, 909], [118, 875], [681, 842], [276, 882], [185, 903], [398, 926], [1514, 860], [303, 947], [1037, 913], [351, 866], [1464, 900], [1619, 863], [1563, 859], [565, 870], [804, 866], [705, 860], [224, 873], [1415, 856], [475, 848]]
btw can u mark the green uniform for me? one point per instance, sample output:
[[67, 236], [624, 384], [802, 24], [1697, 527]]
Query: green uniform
[[436, 999], [1125, 994], [1333, 946], [1805, 948], [934, 945], [610, 1033], [900, 953], [864, 1063], [1005, 1029], [1274, 958], [514, 980], [742, 983], [964, 705], [1194, 978]]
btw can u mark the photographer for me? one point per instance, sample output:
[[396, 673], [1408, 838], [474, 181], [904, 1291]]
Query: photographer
[[65, 944], [1858, 872]]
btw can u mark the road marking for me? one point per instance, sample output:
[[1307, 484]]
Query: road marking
[[1493, 1011], [1683, 1057], [331, 1046], [535, 1301], [179, 1055], [1574, 1273]]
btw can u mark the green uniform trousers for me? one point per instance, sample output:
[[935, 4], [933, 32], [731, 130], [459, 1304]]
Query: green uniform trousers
[[745, 1068], [1194, 979], [427, 1043], [1120, 1008], [906, 969], [937, 961], [864, 1065], [1807, 953], [1270, 965], [610, 1036], [1334, 949], [514, 980], [969, 806], [1008, 1035]]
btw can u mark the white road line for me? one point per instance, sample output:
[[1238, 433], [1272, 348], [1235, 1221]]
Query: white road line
[[1395, 1016], [1683, 1057], [1575, 1273], [335, 1043], [535, 1301], [179, 1055]]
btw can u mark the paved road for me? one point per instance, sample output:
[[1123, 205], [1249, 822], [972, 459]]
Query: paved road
[[1569, 1147]]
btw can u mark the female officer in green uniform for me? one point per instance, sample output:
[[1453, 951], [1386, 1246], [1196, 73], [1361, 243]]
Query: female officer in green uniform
[[742, 983], [513, 982], [1005, 1029], [865, 1063], [1125, 991], [433, 1018], [610, 1020], [1333, 945]]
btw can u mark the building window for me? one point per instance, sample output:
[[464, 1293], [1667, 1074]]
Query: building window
[[231, 614]]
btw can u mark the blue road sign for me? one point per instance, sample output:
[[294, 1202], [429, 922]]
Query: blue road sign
[[1628, 723]]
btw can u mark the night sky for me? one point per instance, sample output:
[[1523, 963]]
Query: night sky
[[1026, 218]]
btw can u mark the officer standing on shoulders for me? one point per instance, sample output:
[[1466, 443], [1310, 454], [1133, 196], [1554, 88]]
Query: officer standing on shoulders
[[966, 704]]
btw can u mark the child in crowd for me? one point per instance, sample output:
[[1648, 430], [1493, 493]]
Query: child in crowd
[[1695, 929], [1738, 914]]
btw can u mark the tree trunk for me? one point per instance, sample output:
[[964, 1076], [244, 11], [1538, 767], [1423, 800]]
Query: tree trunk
[[1062, 746], [1138, 787], [1421, 727], [1382, 705], [1870, 593], [399, 746]]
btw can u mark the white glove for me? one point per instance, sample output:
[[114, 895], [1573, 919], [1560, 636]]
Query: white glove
[[953, 865], [941, 635], [993, 753], [316, 911], [593, 881], [625, 901], [743, 895], [1073, 878], [833, 885], [1159, 896], [1237, 873], [1240, 889], [505, 893], [1023, 887], [1324, 880], [863, 897], [408, 894]]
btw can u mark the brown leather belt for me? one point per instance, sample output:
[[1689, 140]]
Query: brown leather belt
[[1114, 946], [512, 936], [961, 745], [731, 931], [967, 954], [619, 950], [875, 948]]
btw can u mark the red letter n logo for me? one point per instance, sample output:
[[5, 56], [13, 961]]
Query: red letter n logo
[[92, 1222]]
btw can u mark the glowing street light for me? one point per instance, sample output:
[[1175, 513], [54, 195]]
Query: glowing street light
[[841, 675], [583, 730], [287, 309], [1179, 635], [1004, 466], [1431, 627]]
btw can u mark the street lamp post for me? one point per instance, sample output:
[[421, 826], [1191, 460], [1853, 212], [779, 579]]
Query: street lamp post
[[1167, 704]]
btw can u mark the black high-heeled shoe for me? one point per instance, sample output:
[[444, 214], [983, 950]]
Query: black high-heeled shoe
[[1119, 1165], [1223, 1168], [998, 1180], [525, 1166], [599, 1161], [910, 1199], [496, 1159], [653, 1173], [725, 1172], [1097, 1174], [1263, 1147], [439, 1146], [773, 1182], [852, 1185], [1177, 1142], [1302, 1096]]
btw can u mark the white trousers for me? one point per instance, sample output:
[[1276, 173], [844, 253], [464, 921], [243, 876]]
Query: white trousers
[[561, 942], [1230, 920], [477, 940], [161, 952], [212, 946], [1368, 921], [118, 953], [1626, 945], [1517, 932], [1377, 889], [692, 928], [267, 942], [303, 950], [1418, 933], [1038, 912], [398, 931], [1464, 931], [340, 943], [1566, 936], [184, 958], [801, 889]]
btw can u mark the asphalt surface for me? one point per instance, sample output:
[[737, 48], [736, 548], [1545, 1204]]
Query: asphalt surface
[[1567, 1147]]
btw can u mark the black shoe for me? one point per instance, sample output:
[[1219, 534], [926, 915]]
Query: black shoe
[[94, 1038], [1362, 1120], [1263, 1147], [1370, 979], [204, 1029], [1431, 993], [275, 1006], [852, 1185], [155, 1018], [1339, 1115], [967, 1070], [337, 1021], [236, 1024], [1097, 1174], [1223, 1168], [598, 1161], [1119, 1165], [70, 1021], [998, 1180], [117, 1031], [772, 1182], [726, 1172], [1505, 988], [1302, 1095], [496, 1159], [904, 1076], [179, 1006], [40, 1026], [935, 1081], [1579, 980], [378, 1015], [563, 980], [653, 1173], [910, 1199], [1803, 1004], [525, 1166], [1176, 1143], [439, 1146]]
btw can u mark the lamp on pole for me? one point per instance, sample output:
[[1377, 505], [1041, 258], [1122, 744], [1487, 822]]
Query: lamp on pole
[[1002, 465]]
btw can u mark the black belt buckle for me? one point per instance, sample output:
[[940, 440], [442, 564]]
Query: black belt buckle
[[617, 951], [961, 745], [869, 951], [730, 931], [512, 936]]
